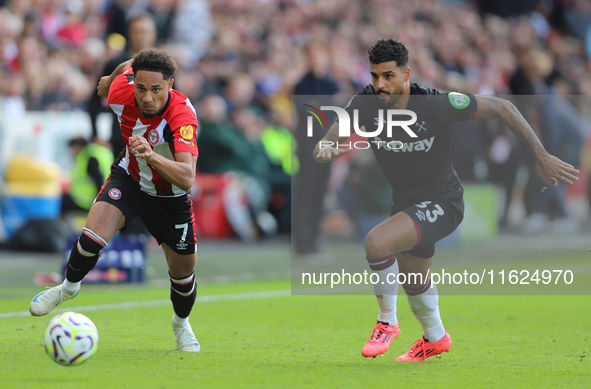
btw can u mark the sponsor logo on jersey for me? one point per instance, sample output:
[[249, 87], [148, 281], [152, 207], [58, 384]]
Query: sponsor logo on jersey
[[398, 146], [187, 132], [188, 143], [115, 194], [181, 246], [421, 215], [458, 100], [153, 137]]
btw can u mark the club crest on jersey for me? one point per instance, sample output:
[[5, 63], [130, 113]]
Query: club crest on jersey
[[115, 194], [153, 137], [421, 126], [187, 132]]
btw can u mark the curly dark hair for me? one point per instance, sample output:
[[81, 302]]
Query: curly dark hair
[[388, 49], [154, 60]]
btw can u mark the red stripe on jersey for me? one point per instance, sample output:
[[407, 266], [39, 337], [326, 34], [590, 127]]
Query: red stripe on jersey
[[133, 168], [163, 187]]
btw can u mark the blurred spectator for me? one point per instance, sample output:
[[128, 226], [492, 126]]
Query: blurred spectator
[[578, 18], [235, 146], [311, 180], [12, 103], [115, 16], [280, 147], [558, 125], [240, 92], [92, 166], [563, 137], [73, 33], [222, 145], [192, 27], [503, 160]]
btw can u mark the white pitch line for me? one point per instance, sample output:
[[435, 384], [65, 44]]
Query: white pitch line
[[156, 303]]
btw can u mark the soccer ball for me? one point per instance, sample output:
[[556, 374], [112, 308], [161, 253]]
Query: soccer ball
[[70, 339]]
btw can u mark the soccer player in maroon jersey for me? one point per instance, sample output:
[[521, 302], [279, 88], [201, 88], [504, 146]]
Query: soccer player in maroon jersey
[[151, 178], [427, 194]]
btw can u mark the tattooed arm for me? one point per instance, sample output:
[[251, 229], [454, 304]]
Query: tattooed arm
[[325, 150], [552, 168]]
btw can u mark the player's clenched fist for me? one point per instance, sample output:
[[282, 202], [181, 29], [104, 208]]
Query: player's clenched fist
[[140, 147]]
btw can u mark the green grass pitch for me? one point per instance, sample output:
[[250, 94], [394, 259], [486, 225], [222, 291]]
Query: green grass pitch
[[282, 341]]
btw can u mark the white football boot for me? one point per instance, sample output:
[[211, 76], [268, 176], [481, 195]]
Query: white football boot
[[185, 339], [50, 298]]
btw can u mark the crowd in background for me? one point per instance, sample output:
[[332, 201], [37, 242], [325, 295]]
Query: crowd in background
[[240, 60]]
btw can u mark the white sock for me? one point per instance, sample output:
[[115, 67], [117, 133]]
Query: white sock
[[179, 321], [71, 286], [425, 305], [387, 305], [386, 293]]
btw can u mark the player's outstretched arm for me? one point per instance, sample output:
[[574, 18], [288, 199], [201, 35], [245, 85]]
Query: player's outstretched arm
[[106, 81], [180, 172], [552, 168], [326, 149]]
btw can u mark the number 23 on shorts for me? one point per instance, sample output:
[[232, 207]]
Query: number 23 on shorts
[[431, 215]]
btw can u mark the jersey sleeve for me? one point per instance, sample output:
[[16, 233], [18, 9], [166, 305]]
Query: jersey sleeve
[[455, 107], [184, 131], [121, 89]]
